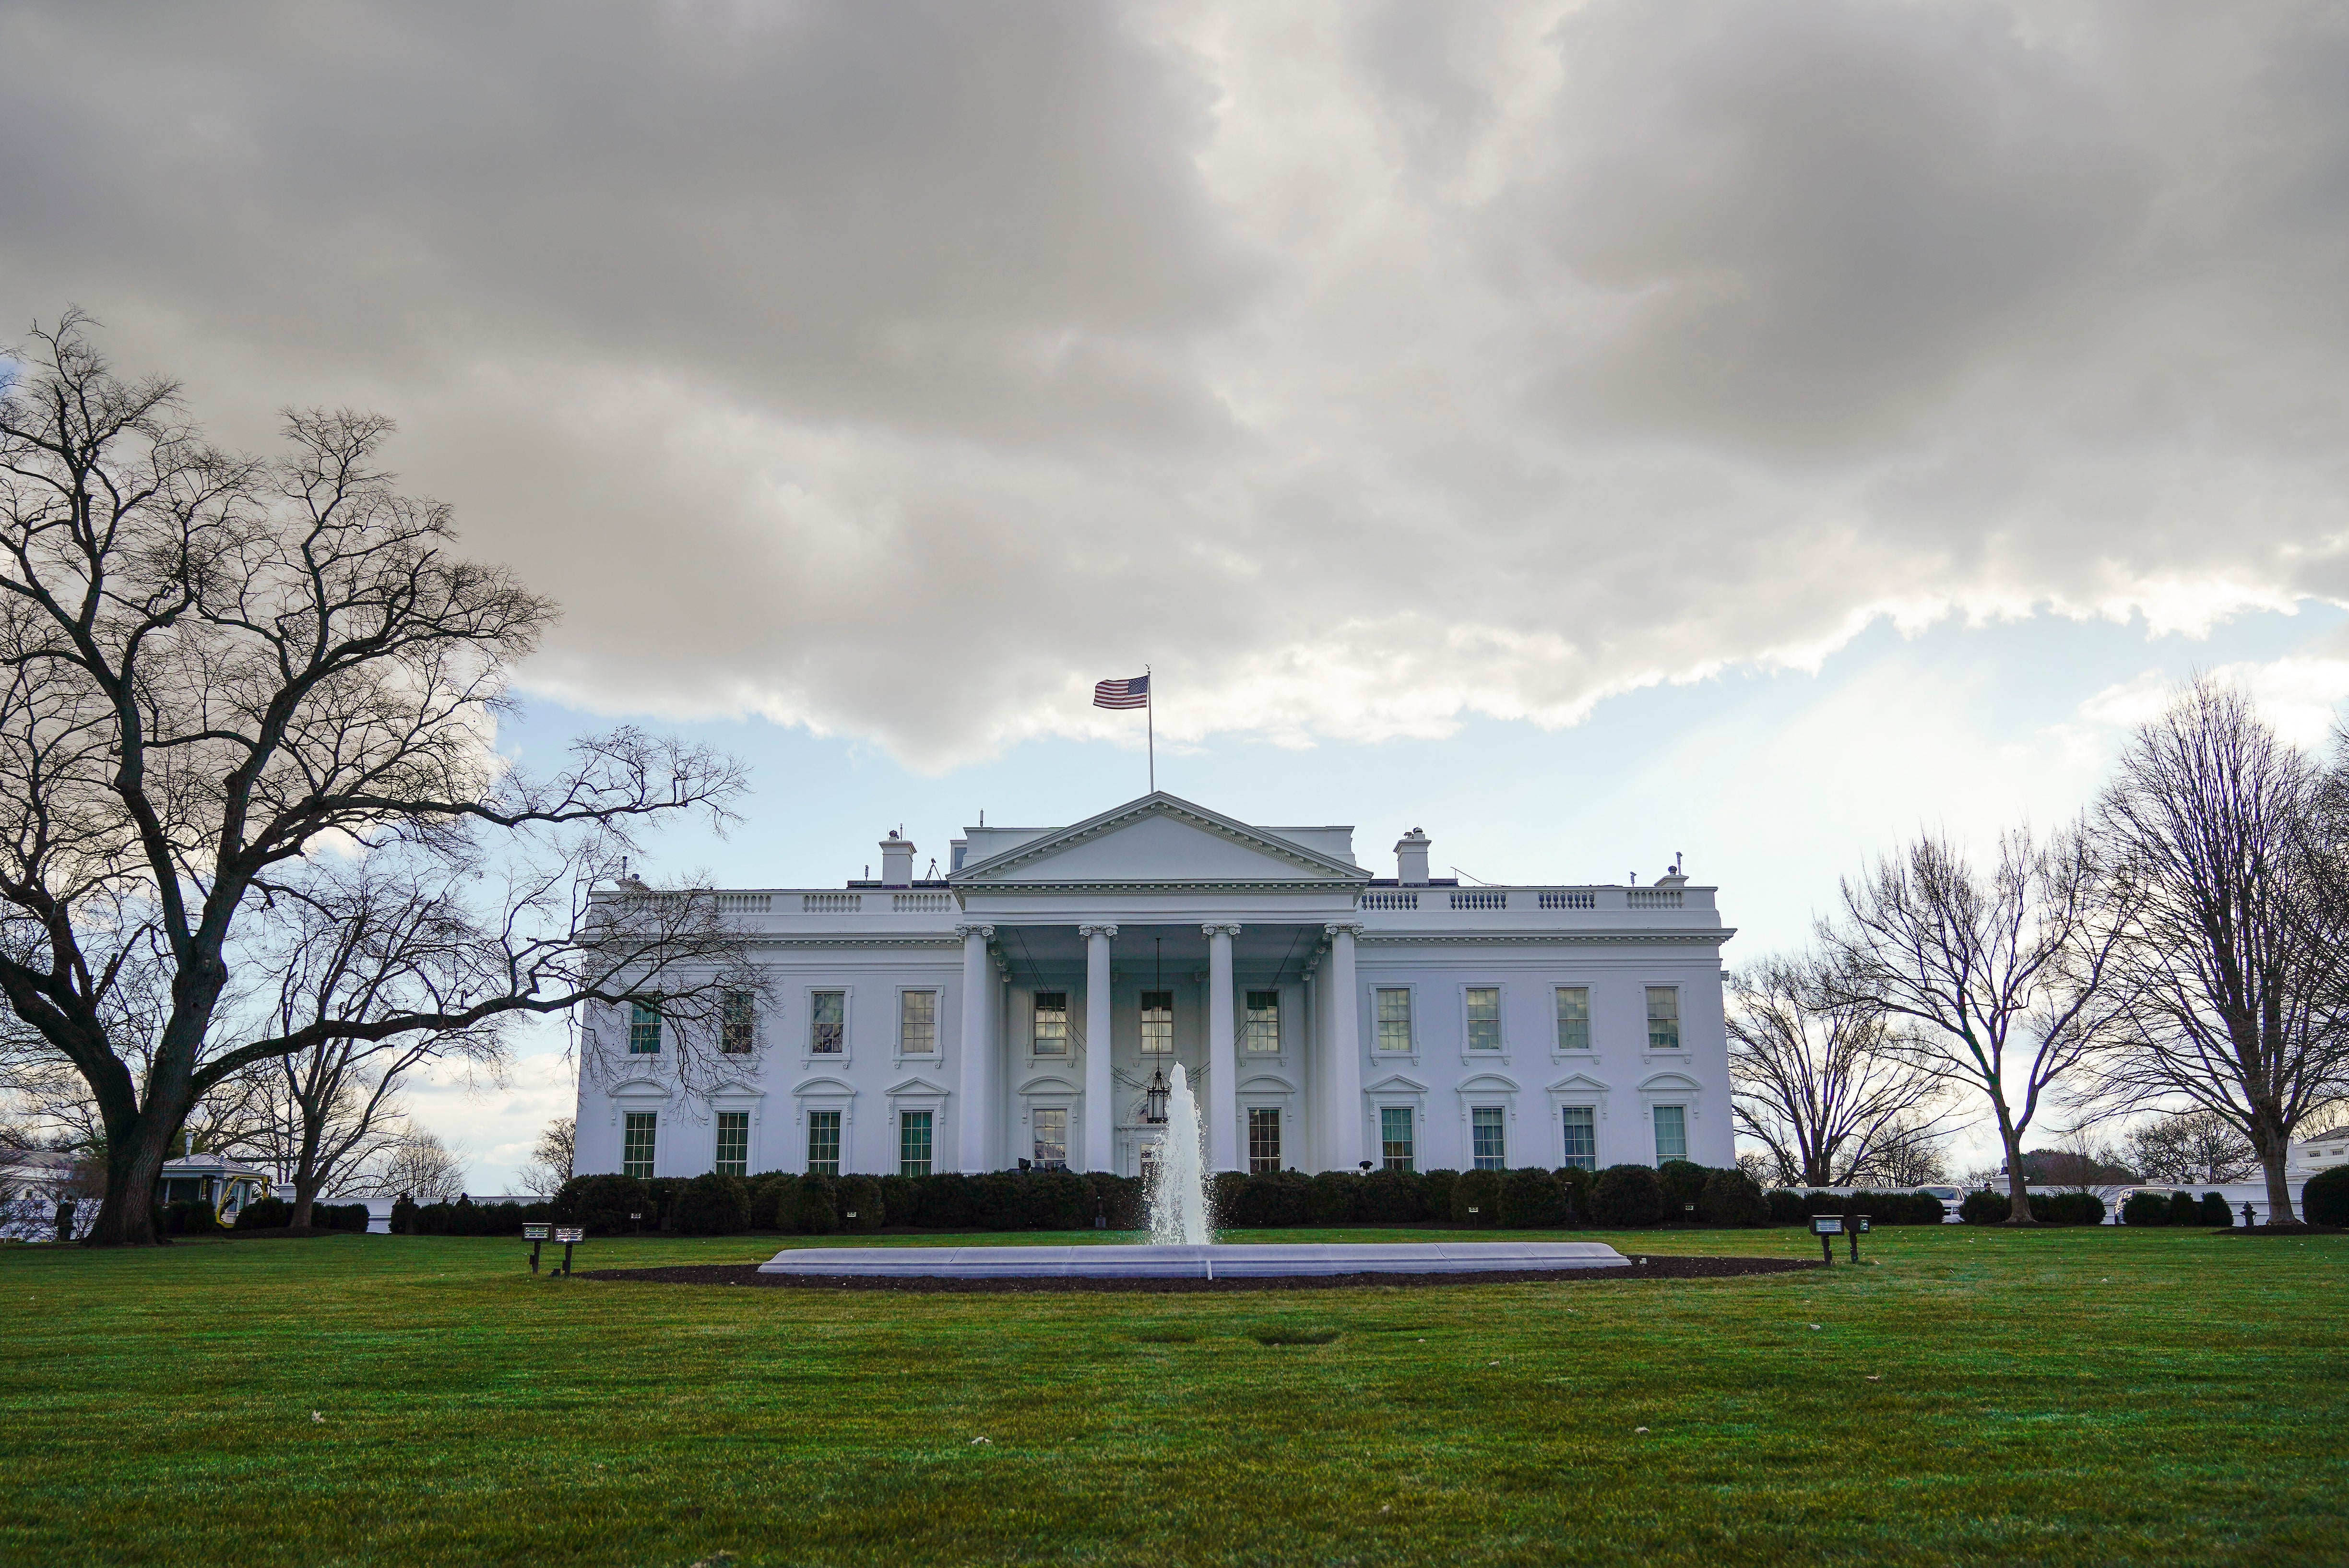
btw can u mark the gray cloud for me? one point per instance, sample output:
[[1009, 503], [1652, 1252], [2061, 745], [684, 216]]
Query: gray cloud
[[900, 369]]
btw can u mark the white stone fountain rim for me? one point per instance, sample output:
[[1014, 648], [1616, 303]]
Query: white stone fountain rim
[[1221, 1261]]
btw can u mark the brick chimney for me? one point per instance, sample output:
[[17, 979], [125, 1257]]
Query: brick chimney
[[897, 860], [1411, 859]]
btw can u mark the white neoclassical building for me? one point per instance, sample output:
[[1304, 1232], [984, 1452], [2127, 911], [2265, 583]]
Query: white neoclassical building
[[1032, 1004]]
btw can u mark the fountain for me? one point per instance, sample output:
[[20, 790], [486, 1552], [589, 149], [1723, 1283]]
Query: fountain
[[1178, 1194], [1182, 1242]]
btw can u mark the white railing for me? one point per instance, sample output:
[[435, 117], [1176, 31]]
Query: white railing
[[1654, 898], [745, 903], [1389, 900], [831, 903], [1480, 899], [921, 903], [1563, 900]]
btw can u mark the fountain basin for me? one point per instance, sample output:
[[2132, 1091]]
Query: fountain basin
[[1210, 1261]]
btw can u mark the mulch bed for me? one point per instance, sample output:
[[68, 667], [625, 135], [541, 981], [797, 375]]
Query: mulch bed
[[2281, 1231], [1654, 1267]]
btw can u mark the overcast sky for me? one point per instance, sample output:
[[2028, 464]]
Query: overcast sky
[[1600, 430]]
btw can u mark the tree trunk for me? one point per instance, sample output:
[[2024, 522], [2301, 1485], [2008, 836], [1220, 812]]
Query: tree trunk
[[134, 1170], [2018, 1188], [305, 1197], [2273, 1147]]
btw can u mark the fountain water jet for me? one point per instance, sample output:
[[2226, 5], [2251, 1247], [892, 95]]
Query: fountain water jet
[[1180, 1214]]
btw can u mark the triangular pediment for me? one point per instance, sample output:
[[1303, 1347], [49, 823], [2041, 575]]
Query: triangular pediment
[[1396, 1084], [1159, 839]]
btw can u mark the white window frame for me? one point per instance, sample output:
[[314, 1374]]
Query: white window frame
[[1378, 1053], [937, 994], [1174, 1023], [1068, 1052], [717, 1135], [807, 1139], [902, 1112], [1069, 1131], [1500, 1051], [1378, 1131], [1501, 1113], [757, 1021], [1247, 1052], [1647, 1046], [1590, 1021], [1566, 1105], [1655, 1133], [847, 1022], [653, 1159]]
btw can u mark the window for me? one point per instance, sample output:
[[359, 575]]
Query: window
[[1484, 1018], [1582, 1137], [1394, 1018], [737, 1025], [1052, 1138], [827, 1021], [914, 1140], [823, 1143], [644, 1028], [1487, 1145], [1394, 1137], [1051, 1037], [1663, 1018], [1264, 1142], [917, 1022], [1263, 1029], [1158, 1024], [733, 1143], [1671, 1133], [1574, 1018], [636, 1145]]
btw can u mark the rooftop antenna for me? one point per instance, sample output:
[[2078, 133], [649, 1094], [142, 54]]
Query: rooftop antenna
[[1676, 862]]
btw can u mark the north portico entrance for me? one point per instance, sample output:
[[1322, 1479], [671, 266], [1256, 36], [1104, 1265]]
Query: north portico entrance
[[1158, 933]]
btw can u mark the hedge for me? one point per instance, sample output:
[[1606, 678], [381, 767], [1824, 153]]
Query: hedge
[[2326, 1199], [2147, 1209], [2215, 1210], [2068, 1208]]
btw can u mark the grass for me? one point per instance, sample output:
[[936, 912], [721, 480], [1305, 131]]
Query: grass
[[2068, 1396]]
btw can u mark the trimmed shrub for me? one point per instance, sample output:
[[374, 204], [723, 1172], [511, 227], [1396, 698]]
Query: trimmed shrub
[[1120, 1200], [1393, 1197], [1476, 1198], [1682, 1181], [1627, 1197], [1334, 1195], [2213, 1211], [1531, 1198], [2068, 1208], [897, 1203], [714, 1205], [188, 1217], [1574, 1185], [1731, 1198], [812, 1207], [766, 1192], [403, 1216], [1893, 1208], [2326, 1199], [1278, 1199], [600, 1203], [1787, 1208], [859, 1204], [264, 1214], [2183, 1209], [1985, 1208], [1435, 1193], [2146, 1208]]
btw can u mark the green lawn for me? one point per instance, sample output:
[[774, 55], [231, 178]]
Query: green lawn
[[2067, 1397]]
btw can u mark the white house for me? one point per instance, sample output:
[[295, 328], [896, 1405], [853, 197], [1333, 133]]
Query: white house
[[1026, 1006]]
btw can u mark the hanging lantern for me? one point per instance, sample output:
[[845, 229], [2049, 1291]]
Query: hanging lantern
[[1153, 1098]]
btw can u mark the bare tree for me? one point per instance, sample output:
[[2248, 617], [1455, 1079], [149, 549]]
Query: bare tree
[[551, 1161], [2176, 1148], [2236, 961], [211, 666], [1813, 1073], [1999, 976], [418, 1167], [1910, 1152]]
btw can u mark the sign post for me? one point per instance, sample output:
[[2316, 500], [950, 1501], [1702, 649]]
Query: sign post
[[536, 1236], [1858, 1224], [1826, 1227], [570, 1236]]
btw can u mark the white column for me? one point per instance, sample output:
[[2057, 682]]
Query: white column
[[1344, 1107], [975, 1092], [1223, 1055], [1100, 1114]]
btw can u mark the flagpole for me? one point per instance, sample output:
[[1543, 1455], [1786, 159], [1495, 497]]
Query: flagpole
[[1149, 725]]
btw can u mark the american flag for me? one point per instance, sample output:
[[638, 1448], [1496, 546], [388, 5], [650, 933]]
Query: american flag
[[1132, 693]]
